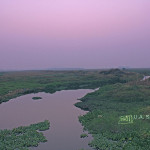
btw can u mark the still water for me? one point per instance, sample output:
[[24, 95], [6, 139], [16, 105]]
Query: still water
[[58, 108]]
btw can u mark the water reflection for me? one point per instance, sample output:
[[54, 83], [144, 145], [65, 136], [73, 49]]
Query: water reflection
[[58, 108]]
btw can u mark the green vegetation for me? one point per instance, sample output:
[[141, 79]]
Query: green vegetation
[[23, 137], [83, 135], [106, 106], [36, 98], [121, 93], [119, 97], [14, 84]]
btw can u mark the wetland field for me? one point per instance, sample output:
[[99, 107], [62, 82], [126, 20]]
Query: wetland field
[[42, 110]]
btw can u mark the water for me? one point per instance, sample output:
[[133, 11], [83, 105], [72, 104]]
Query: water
[[145, 78], [58, 108]]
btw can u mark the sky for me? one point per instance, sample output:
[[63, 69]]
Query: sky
[[42, 34]]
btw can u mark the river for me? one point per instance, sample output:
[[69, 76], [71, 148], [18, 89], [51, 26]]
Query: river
[[58, 108]]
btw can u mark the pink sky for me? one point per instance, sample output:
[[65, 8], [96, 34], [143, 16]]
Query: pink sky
[[37, 34]]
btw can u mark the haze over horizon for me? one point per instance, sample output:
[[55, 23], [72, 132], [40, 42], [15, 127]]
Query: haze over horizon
[[74, 34]]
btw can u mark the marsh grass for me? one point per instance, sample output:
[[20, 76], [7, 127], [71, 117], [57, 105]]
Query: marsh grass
[[23, 137]]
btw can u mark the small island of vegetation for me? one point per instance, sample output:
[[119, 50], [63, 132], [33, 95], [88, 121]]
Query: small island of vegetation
[[36, 98], [23, 137]]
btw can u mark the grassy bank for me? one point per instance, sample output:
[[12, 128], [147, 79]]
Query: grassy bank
[[107, 105], [14, 84], [23, 137]]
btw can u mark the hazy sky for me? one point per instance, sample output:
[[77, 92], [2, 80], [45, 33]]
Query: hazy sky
[[39, 34]]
